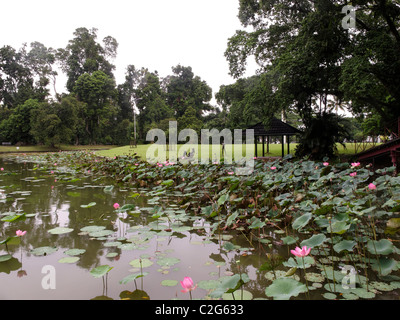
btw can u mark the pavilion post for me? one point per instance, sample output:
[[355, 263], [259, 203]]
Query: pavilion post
[[283, 146]]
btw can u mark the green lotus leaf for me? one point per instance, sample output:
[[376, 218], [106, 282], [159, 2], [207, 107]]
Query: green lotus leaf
[[285, 288], [92, 228], [5, 257], [208, 284], [169, 283], [238, 295], [315, 241], [144, 263], [101, 233], [68, 260], [347, 245], [60, 230], [133, 277], [384, 265], [168, 262], [302, 221], [75, 252], [91, 204], [43, 251], [100, 271], [338, 227], [382, 246]]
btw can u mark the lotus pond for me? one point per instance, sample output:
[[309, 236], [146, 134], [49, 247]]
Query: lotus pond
[[100, 228]]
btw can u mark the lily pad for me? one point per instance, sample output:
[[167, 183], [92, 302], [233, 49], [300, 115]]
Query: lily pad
[[5, 257], [92, 228], [43, 251], [75, 252], [68, 260], [60, 230], [101, 233], [284, 289], [168, 262], [144, 263], [100, 271], [169, 283]]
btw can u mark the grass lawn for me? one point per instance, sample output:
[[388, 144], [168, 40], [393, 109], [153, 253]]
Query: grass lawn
[[23, 149], [275, 150]]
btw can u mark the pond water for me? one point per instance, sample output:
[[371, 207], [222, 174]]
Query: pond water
[[65, 211]]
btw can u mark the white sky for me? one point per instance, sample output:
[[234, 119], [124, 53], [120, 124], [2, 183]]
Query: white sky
[[156, 34]]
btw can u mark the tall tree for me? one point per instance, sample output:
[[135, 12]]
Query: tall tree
[[84, 54], [98, 91], [184, 89]]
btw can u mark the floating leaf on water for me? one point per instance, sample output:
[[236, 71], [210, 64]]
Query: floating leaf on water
[[329, 296], [108, 189], [75, 252], [60, 230], [113, 244], [68, 260], [144, 263], [284, 289], [5, 257], [91, 204], [112, 254], [92, 228], [100, 271], [101, 233], [168, 262], [169, 283], [208, 284], [381, 286], [314, 277], [43, 251]]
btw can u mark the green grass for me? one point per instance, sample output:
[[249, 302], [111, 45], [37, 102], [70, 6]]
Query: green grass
[[275, 150], [23, 149]]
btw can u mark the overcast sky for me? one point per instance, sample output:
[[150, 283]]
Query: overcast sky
[[156, 34]]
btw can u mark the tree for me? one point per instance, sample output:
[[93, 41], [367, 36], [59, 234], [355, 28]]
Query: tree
[[98, 91], [304, 43], [19, 123], [16, 79], [84, 54], [184, 89]]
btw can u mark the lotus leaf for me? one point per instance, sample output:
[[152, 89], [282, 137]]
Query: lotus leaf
[[100, 271], [285, 288]]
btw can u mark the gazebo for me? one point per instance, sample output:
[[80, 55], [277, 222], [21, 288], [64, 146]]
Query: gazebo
[[277, 128]]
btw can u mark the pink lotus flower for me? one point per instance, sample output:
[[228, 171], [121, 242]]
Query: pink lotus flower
[[2, 169], [230, 172], [371, 186], [301, 252], [273, 168], [326, 164], [116, 206], [355, 164], [20, 233], [187, 284], [353, 174]]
